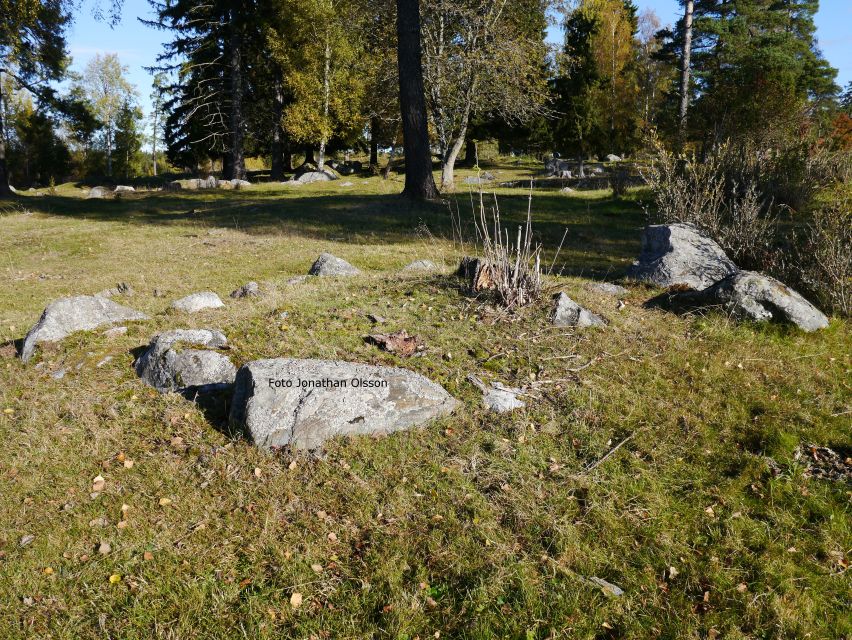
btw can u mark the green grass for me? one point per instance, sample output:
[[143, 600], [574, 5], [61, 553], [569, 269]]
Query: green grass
[[476, 526]]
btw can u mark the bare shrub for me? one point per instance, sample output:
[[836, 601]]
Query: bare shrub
[[824, 255], [512, 264], [720, 196]]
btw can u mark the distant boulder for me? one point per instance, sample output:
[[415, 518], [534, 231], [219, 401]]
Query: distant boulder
[[613, 158], [679, 254], [123, 188], [420, 265], [329, 265], [197, 302], [248, 290], [315, 176], [97, 193]]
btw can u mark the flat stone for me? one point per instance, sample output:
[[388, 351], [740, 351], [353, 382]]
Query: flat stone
[[166, 366], [679, 254], [329, 265], [567, 313], [248, 290], [121, 289], [240, 184], [303, 403], [198, 301], [79, 313], [747, 295], [608, 288], [421, 265], [123, 188]]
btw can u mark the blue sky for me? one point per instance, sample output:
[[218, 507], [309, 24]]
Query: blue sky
[[138, 45]]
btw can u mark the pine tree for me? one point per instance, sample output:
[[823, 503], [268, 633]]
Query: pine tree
[[128, 140]]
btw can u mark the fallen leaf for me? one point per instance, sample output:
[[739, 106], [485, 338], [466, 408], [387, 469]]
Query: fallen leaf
[[296, 600], [147, 556], [98, 484], [165, 502], [104, 548], [48, 571], [114, 578], [257, 472], [25, 540], [673, 573], [317, 568], [332, 537], [128, 464]]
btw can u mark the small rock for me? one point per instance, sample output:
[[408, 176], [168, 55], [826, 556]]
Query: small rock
[[608, 288], [611, 157], [106, 360], [497, 397], [58, 375], [115, 332], [567, 313], [198, 301], [25, 540], [377, 319], [123, 189], [248, 290], [607, 587], [166, 367], [97, 193], [297, 280], [328, 265]]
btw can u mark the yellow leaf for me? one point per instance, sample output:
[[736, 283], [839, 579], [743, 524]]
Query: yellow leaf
[[48, 571], [8, 412], [165, 502], [114, 578]]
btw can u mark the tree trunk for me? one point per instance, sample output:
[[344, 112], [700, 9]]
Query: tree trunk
[[326, 92], [277, 171], [449, 162], [4, 170], [374, 141], [419, 183], [238, 164], [309, 155], [470, 154], [154, 141], [109, 149], [684, 68]]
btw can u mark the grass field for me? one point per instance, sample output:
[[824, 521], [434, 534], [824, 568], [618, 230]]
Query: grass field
[[477, 526]]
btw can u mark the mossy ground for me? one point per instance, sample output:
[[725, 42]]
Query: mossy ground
[[477, 526]]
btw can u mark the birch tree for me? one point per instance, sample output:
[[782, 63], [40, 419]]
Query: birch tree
[[479, 60], [107, 89]]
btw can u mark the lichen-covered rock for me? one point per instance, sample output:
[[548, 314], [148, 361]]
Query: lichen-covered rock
[[329, 265], [123, 188], [303, 403], [567, 313], [97, 193], [753, 296], [197, 302], [679, 254], [80, 313], [315, 176], [167, 366]]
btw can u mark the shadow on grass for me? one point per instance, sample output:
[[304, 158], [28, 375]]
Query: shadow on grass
[[602, 233]]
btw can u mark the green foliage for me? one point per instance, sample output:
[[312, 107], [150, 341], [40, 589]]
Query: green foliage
[[128, 141]]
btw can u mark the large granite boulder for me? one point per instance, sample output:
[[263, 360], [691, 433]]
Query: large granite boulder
[[167, 366], [197, 302], [567, 313], [315, 176], [80, 313], [303, 403], [679, 254], [556, 167], [329, 265], [750, 296]]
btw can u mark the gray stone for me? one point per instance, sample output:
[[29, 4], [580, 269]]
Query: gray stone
[[753, 296], [567, 313], [611, 157], [608, 288], [346, 184], [197, 302], [172, 186], [97, 192], [248, 290], [498, 397], [210, 182], [236, 183], [115, 332], [679, 254], [555, 166], [421, 265], [329, 265], [371, 400], [297, 280], [167, 367], [315, 176], [123, 188], [567, 189], [121, 289], [80, 313]]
